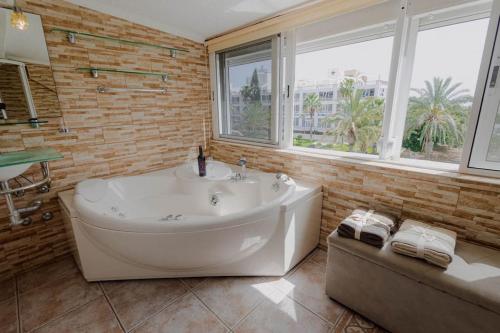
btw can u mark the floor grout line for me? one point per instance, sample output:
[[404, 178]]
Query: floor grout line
[[163, 307], [52, 320], [211, 311], [18, 305], [111, 306]]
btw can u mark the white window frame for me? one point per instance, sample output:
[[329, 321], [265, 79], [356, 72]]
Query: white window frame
[[405, 32], [473, 136], [217, 108], [404, 29]]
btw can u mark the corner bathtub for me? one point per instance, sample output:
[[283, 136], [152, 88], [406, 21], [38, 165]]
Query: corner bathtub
[[172, 223]]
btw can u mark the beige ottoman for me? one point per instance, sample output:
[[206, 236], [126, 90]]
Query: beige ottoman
[[404, 294]]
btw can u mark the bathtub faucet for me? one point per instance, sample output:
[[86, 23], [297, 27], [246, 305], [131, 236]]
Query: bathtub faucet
[[243, 164], [282, 176]]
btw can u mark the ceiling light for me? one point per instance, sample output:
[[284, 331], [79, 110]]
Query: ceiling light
[[18, 19]]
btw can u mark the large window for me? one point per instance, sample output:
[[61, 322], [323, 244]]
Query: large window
[[350, 76], [390, 82], [247, 87], [445, 70]]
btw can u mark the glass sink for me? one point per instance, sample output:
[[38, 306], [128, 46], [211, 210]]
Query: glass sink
[[12, 164]]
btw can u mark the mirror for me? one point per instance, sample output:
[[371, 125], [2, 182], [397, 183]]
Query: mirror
[[27, 87]]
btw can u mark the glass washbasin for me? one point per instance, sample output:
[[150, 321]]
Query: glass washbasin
[[13, 171], [12, 164]]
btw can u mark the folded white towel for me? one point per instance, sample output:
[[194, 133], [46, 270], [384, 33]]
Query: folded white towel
[[420, 240]]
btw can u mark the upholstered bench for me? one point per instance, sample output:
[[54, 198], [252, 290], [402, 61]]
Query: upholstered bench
[[404, 294]]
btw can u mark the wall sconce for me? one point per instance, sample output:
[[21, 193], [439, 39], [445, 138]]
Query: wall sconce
[[18, 19]]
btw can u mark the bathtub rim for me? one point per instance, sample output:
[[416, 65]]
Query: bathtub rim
[[193, 223]]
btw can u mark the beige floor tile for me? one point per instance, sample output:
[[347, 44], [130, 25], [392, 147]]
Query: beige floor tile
[[287, 316], [232, 298], [7, 289], [193, 282], [40, 305], [44, 275], [354, 323], [8, 316], [185, 315], [135, 300], [95, 316], [307, 286], [319, 256]]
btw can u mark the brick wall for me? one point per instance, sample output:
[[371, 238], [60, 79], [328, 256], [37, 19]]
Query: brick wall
[[466, 204], [111, 134]]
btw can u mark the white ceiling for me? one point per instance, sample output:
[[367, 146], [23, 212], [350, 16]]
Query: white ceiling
[[193, 19]]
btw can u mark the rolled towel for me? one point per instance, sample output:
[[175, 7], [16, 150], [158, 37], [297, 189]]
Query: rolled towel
[[370, 227], [420, 240]]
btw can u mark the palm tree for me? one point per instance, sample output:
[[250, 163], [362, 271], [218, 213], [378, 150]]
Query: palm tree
[[439, 114], [311, 106], [358, 121]]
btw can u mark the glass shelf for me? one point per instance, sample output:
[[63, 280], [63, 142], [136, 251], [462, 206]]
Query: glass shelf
[[72, 39], [22, 122], [95, 72], [29, 156]]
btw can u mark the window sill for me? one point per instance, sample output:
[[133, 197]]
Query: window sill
[[431, 168], [416, 166]]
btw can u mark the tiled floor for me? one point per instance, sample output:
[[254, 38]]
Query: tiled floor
[[56, 298]]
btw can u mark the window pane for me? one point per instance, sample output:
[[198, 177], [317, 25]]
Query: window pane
[[494, 146], [445, 70], [247, 81], [339, 96]]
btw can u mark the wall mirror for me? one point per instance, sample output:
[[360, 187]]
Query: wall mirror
[[27, 87]]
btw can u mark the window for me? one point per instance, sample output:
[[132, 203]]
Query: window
[[442, 89], [356, 124], [248, 75], [393, 82]]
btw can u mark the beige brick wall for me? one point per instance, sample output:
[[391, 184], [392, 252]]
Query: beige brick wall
[[468, 205], [124, 134], [111, 134]]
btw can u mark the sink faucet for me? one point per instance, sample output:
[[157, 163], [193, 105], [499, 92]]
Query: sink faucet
[[243, 164]]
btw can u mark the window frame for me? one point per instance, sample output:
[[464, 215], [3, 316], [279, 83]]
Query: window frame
[[413, 17], [219, 114]]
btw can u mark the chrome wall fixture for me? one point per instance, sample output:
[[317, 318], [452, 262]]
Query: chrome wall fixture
[[16, 213], [103, 90]]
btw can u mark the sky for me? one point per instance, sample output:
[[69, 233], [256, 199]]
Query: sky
[[447, 51]]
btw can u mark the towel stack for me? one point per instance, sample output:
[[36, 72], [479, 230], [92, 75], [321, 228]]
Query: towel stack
[[370, 227], [419, 240]]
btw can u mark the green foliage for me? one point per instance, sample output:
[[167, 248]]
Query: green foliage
[[412, 142], [255, 118], [358, 121], [251, 93], [311, 105], [438, 114]]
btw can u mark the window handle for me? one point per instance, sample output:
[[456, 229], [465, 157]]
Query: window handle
[[494, 76]]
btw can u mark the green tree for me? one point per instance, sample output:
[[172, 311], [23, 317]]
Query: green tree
[[255, 117], [251, 92], [256, 120], [438, 114], [311, 106], [358, 120]]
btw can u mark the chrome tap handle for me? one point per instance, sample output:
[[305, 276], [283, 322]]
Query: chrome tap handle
[[242, 161]]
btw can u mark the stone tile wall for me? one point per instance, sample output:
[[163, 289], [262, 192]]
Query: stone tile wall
[[110, 134], [466, 204]]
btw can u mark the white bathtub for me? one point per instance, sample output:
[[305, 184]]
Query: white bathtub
[[173, 223]]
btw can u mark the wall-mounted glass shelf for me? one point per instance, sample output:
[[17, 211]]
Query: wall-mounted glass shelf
[[95, 72], [72, 39], [34, 155], [22, 122]]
